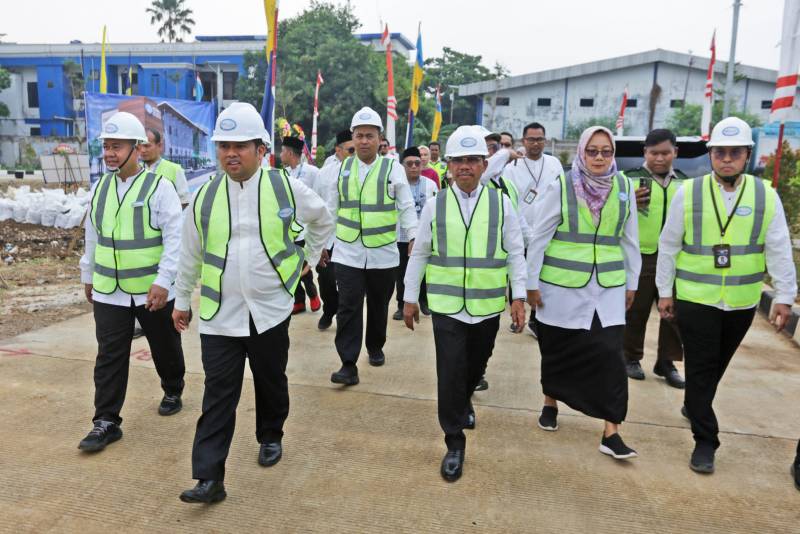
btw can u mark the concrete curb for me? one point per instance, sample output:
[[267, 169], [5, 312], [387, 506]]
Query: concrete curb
[[765, 307]]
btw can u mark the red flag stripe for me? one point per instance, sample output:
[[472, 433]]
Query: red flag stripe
[[786, 81], [784, 102]]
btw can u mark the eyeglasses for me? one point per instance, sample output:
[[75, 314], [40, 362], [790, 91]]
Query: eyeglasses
[[505, 145], [469, 160], [412, 163], [720, 153], [593, 153], [492, 146], [536, 140], [351, 150]]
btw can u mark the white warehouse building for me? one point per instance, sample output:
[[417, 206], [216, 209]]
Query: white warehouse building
[[657, 81]]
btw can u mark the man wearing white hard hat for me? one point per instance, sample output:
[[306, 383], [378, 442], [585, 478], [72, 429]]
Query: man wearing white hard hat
[[372, 196], [239, 240], [723, 231], [133, 235], [466, 269]]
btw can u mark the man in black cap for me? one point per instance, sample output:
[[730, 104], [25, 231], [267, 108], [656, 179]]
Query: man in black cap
[[291, 157]]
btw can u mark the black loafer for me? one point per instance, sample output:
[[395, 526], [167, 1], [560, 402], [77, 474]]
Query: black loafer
[[270, 453], [670, 374], [347, 375], [325, 322], [634, 370], [483, 385], [206, 491], [702, 459], [398, 315], [376, 359], [452, 465], [170, 405], [104, 433]]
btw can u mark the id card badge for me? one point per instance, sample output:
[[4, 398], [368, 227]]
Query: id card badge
[[530, 196], [722, 256]]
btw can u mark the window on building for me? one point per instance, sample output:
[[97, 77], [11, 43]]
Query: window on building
[[502, 101], [632, 102], [587, 102], [543, 102], [766, 104], [676, 103], [155, 85], [35, 130], [33, 95], [229, 85]]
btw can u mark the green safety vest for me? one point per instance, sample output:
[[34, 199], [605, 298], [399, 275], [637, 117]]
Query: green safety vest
[[278, 227], [467, 268], [366, 210], [579, 248], [128, 247], [440, 167], [507, 187], [651, 218], [739, 285], [167, 169]]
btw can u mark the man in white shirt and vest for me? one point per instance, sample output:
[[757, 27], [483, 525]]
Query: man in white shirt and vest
[[152, 152], [133, 233], [723, 231], [467, 268], [239, 240], [372, 198]]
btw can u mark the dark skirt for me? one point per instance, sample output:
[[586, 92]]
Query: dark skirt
[[585, 369]]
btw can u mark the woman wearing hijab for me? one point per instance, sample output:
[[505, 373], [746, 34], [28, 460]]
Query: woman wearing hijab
[[583, 270]]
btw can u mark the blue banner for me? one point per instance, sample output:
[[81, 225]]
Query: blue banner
[[186, 127]]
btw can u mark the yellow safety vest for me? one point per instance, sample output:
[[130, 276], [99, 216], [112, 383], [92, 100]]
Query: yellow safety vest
[[507, 187], [652, 218], [167, 169], [366, 211]]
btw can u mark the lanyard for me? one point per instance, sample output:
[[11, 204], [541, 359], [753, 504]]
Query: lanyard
[[535, 178], [723, 229]]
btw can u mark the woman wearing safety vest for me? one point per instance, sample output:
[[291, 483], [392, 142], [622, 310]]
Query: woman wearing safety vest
[[468, 247], [723, 230], [583, 270]]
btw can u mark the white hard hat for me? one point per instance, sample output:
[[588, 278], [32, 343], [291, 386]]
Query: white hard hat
[[366, 116], [240, 122], [483, 131], [466, 141], [731, 131], [123, 125]]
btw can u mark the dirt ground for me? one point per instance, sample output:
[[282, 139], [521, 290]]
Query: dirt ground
[[40, 282]]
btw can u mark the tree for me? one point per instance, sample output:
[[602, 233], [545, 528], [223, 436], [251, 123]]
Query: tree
[[686, 120], [454, 68], [175, 19], [5, 83], [574, 130], [788, 184]]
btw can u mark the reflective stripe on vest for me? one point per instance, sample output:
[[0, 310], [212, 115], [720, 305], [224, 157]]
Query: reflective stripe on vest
[[128, 248], [697, 280], [278, 230], [508, 188], [366, 210], [651, 218], [579, 248], [467, 269]]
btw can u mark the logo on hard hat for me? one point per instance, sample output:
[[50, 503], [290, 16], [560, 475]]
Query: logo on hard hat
[[469, 142], [730, 130], [365, 116], [227, 124], [111, 128]]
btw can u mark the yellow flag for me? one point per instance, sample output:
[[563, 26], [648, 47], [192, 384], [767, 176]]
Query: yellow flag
[[103, 77], [270, 10]]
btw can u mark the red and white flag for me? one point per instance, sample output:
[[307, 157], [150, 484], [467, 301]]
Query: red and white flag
[[621, 116], [708, 98], [786, 86], [391, 101], [320, 81]]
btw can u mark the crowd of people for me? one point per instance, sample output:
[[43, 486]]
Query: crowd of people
[[461, 234]]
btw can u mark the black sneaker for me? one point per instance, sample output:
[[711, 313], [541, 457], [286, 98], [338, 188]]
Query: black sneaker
[[376, 359], [483, 385], [702, 459], [347, 375], [616, 448], [325, 322], [104, 433], [548, 420], [667, 370], [634, 370], [398, 315], [170, 405]]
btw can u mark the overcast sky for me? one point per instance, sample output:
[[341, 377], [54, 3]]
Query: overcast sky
[[523, 35]]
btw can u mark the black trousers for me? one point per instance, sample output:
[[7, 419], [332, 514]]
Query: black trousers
[[223, 363], [462, 352], [307, 281], [710, 338], [114, 332], [401, 274], [326, 276], [354, 284]]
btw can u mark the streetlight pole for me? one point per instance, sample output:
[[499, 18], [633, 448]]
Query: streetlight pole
[[726, 107]]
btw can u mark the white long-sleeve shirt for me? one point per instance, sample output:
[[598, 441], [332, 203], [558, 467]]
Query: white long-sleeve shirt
[[326, 187], [422, 191], [495, 164], [777, 249], [574, 308], [355, 254], [165, 214], [531, 177], [308, 174], [250, 284], [181, 185], [512, 243]]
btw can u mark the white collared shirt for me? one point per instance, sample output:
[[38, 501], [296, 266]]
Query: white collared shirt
[[165, 214], [250, 284], [574, 308], [777, 249], [512, 243], [531, 177], [355, 254], [421, 192], [181, 186], [307, 174]]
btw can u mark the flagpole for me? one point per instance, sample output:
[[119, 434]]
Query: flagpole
[[778, 155], [314, 119], [726, 106], [391, 101]]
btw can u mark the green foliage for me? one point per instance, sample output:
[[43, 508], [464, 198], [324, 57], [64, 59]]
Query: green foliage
[[176, 19], [72, 71], [686, 120], [574, 130], [451, 69], [788, 184], [5, 83]]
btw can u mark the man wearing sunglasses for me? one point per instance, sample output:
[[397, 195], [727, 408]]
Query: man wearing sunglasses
[[723, 231]]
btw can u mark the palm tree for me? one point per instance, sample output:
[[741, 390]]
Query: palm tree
[[177, 19]]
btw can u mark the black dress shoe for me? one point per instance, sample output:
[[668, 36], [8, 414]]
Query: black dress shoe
[[483, 385], [170, 404], [634, 370], [470, 424], [325, 322], [347, 375], [270, 453], [376, 359], [423, 307], [398, 315], [452, 465], [104, 433], [206, 491], [670, 374], [702, 459]]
